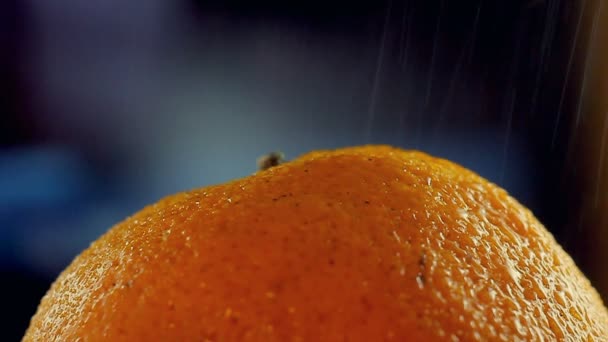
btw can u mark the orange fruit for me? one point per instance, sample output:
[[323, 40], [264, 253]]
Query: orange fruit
[[363, 244]]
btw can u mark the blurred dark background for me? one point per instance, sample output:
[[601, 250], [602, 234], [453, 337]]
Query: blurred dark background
[[108, 106]]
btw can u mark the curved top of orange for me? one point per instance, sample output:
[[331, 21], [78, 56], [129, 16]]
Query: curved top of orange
[[363, 244]]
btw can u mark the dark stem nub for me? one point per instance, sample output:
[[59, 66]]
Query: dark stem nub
[[269, 160]]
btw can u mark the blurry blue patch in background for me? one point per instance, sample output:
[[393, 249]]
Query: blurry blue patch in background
[[43, 187], [40, 177], [52, 205]]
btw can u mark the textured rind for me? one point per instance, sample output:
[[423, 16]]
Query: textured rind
[[365, 244]]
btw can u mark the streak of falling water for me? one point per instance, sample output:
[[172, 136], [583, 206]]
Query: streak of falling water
[[406, 46], [405, 19], [405, 63], [404, 43], [511, 108], [450, 93], [374, 94], [429, 84], [600, 164], [581, 220], [474, 34], [546, 44], [587, 63], [583, 92], [505, 151], [467, 53], [568, 71]]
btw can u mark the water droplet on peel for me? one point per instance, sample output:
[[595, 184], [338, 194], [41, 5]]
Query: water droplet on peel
[[420, 281], [463, 213], [514, 273], [396, 236]]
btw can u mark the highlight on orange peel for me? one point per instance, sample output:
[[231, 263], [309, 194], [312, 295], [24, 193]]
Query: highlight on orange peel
[[362, 244]]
